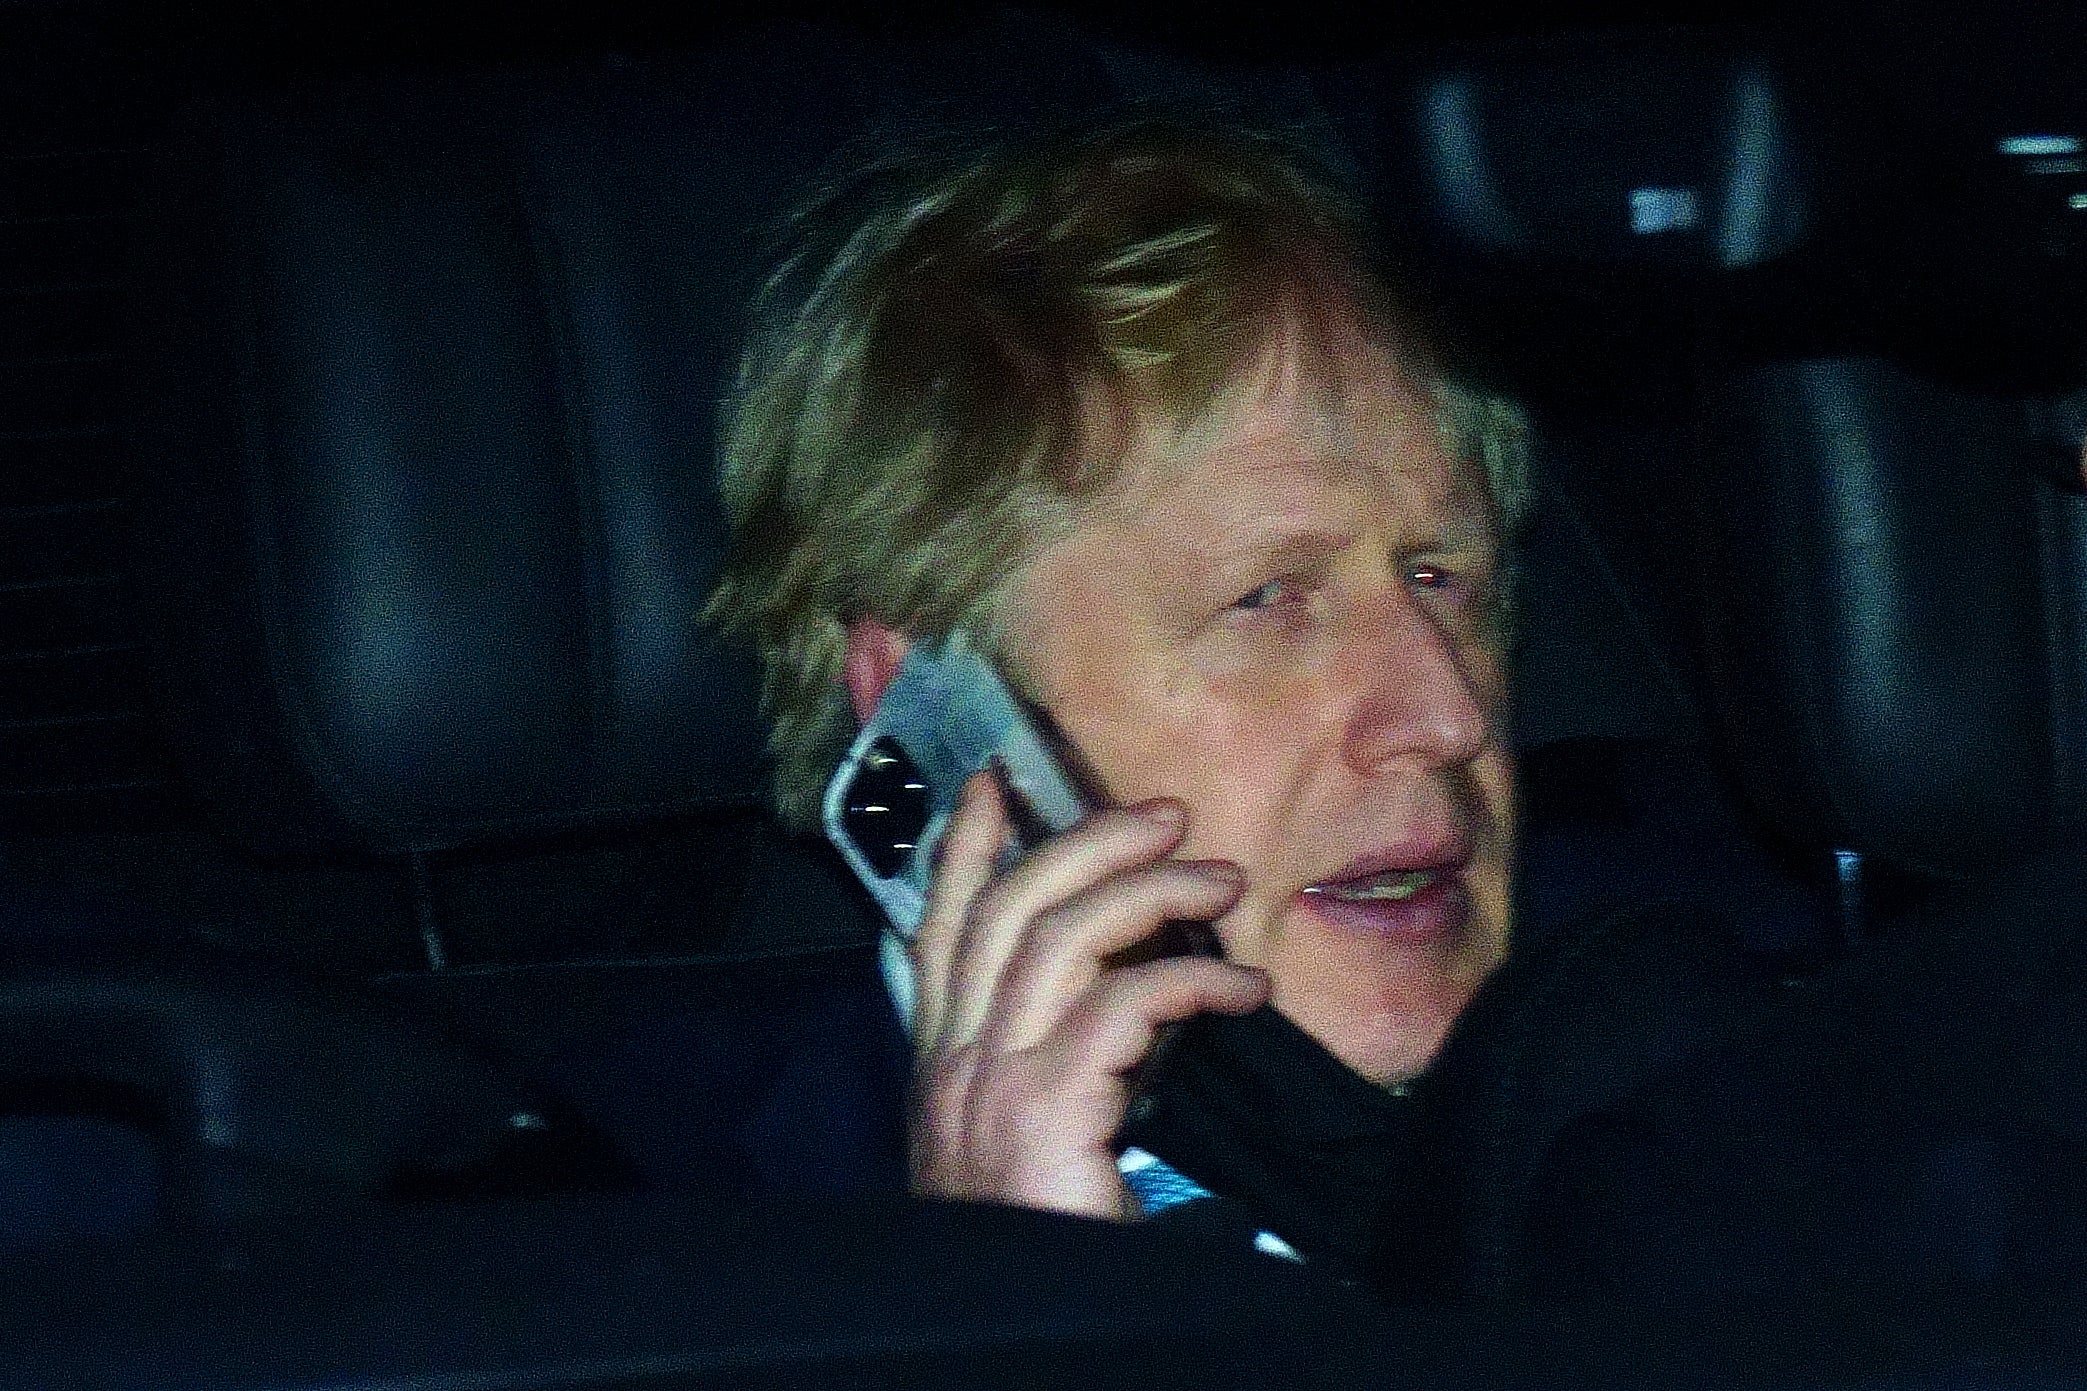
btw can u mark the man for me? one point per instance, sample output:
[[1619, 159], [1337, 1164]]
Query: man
[[1132, 409]]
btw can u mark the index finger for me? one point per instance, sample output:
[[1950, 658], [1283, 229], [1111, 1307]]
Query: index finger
[[965, 861]]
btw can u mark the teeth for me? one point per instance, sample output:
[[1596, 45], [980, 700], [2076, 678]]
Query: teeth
[[1378, 888]]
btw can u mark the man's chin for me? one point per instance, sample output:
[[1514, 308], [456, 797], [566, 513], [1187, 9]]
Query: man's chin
[[1380, 1003]]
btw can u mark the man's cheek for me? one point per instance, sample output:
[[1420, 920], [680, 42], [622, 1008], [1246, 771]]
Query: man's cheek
[[1239, 824], [1495, 777]]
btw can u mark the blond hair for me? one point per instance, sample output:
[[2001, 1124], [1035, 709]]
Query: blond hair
[[907, 421]]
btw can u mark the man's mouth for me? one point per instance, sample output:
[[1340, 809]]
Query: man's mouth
[[1392, 886], [1413, 903]]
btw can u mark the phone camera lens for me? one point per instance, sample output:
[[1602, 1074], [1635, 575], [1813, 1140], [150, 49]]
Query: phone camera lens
[[887, 808]]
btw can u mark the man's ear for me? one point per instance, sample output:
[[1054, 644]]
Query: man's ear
[[875, 654]]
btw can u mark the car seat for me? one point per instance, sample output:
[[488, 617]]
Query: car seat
[[427, 524]]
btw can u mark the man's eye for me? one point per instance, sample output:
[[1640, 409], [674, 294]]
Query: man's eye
[[1432, 577], [1267, 596]]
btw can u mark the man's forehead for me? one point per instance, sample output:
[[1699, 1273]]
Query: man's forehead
[[1325, 364], [1278, 438]]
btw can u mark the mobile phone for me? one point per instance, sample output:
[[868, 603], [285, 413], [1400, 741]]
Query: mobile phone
[[947, 715]]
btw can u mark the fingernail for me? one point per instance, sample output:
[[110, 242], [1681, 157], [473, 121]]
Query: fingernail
[[1162, 811]]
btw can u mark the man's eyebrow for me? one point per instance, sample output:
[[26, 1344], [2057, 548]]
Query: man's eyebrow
[[1265, 540], [1249, 520], [1276, 549]]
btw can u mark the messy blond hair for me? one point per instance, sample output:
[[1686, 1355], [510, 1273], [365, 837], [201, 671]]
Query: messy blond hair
[[906, 427]]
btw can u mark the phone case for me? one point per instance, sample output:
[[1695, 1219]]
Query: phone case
[[947, 715]]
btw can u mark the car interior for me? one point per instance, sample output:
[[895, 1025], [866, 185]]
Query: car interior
[[405, 984]]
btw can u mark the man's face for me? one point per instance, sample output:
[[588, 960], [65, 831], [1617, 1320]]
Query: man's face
[[1282, 617]]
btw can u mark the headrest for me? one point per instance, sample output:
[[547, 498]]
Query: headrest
[[1642, 149], [436, 448], [1876, 639]]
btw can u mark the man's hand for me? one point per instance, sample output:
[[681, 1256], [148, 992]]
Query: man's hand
[[1023, 1032]]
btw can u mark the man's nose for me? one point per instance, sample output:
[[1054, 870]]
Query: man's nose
[[1416, 695]]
